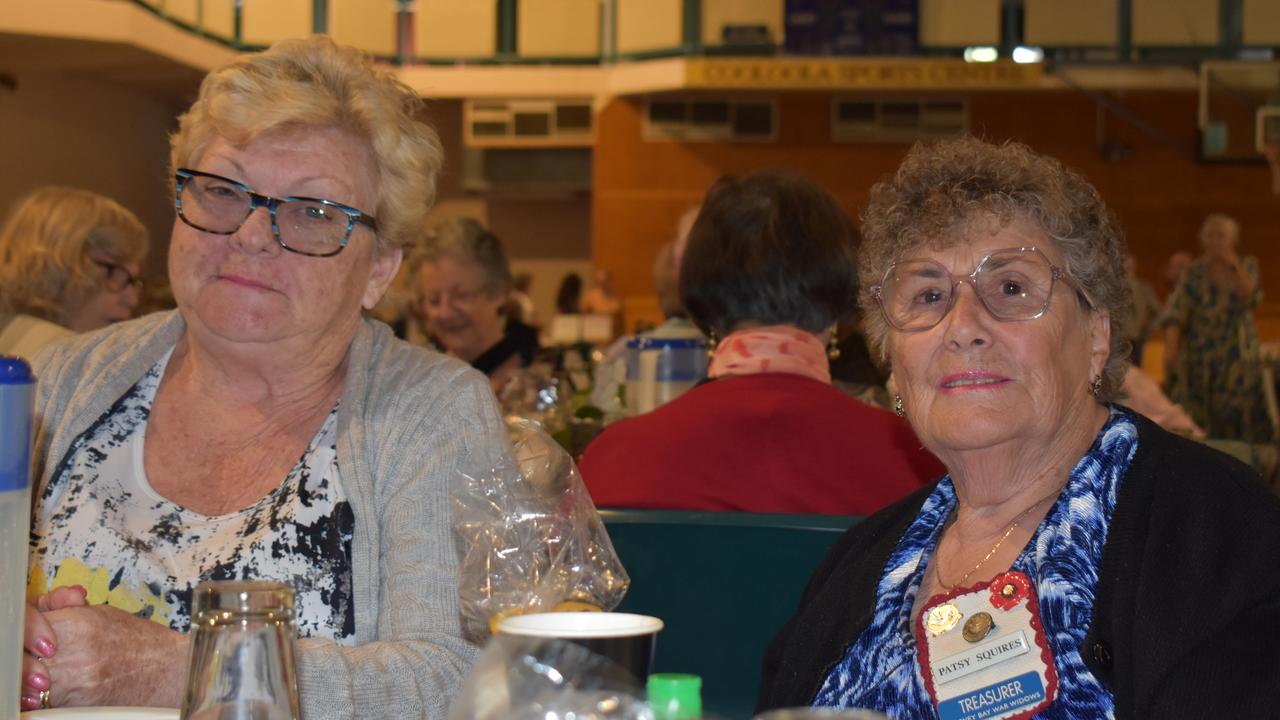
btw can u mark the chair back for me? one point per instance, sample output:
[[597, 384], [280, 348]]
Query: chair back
[[724, 583]]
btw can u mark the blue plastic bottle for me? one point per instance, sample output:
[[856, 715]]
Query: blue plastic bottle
[[17, 386]]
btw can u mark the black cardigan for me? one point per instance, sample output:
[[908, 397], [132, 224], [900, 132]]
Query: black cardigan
[[1186, 615]]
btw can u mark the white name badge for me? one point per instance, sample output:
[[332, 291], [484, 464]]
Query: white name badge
[[984, 653]]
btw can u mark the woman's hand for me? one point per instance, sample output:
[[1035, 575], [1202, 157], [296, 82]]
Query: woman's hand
[[40, 642], [108, 657]]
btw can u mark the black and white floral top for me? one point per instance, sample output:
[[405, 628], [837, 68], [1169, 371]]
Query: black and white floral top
[[100, 524]]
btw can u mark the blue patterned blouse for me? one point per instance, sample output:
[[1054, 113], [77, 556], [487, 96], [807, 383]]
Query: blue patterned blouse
[[881, 670]]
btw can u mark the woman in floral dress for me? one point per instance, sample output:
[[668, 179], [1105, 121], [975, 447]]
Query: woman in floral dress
[[1211, 341]]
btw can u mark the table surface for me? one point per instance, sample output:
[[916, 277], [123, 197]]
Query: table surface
[[103, 713]]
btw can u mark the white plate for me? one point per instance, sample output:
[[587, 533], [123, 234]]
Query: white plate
[[103, 713]]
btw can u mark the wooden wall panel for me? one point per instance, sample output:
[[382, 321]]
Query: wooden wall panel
[[959, 23], [1176, 22], [1051, 23], [558, 28], [451, 29], [266, 21], [647, 25], [1160, 193], [1261, 22], [367, 24], [187, 11], [218, 17], [60, 129]]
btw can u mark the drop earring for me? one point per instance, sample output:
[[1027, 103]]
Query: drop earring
[[897, 405], [833, 345]]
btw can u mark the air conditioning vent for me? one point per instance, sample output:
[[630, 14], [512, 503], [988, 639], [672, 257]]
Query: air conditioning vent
[[897, 120], [526, 171], [529, 123], [711, 120]]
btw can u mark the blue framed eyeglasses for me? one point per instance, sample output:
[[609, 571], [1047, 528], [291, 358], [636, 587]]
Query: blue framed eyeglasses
[[308, 226]]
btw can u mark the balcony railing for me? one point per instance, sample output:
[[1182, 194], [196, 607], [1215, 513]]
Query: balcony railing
[[605, 31]]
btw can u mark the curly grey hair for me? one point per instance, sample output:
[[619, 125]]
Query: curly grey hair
[[944, 186]]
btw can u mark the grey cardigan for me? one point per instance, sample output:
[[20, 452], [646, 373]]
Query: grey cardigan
[[408, 421]]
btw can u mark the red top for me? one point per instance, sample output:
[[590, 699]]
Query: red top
[[768, 443]]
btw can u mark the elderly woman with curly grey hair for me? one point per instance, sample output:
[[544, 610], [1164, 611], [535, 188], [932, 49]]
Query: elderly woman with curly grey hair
[[265, 429], [1076, 560]]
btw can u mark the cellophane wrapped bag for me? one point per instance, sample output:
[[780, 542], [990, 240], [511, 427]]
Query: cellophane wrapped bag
[[531, 538], [523, 678]]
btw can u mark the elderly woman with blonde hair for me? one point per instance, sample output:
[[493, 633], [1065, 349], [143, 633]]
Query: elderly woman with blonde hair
[[265, 429], [69, 262], [1077, 561]]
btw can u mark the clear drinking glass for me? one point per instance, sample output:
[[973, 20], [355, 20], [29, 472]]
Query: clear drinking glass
[[241, 664]]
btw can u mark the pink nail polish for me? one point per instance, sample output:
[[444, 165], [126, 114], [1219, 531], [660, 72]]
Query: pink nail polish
[[45, 647], [30, 703], [38, 681]]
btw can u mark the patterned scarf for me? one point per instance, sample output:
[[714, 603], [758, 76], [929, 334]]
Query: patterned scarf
[[771, 349]]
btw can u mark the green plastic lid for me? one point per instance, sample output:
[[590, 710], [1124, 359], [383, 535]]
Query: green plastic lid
[[675, 696]]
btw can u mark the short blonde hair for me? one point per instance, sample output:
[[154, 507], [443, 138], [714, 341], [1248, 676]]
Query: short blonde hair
[[45, 243], [313, 82]]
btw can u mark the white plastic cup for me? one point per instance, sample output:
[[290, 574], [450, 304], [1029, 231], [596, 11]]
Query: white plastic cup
[[624, 638]]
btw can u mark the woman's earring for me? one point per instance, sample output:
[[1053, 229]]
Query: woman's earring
[[833, 346], [1096, 386], [897, 405], [711, 343]]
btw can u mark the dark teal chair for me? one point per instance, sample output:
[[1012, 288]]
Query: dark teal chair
[[723, 583]]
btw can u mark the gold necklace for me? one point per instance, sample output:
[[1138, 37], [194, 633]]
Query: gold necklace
[[937, 574]]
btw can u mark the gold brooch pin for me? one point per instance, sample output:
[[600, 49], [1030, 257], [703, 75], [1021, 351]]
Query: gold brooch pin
[[977, 627], [942, 618]]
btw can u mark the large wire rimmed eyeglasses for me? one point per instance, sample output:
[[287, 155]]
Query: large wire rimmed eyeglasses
[[1012, 284], [304, 225], [118, 276]]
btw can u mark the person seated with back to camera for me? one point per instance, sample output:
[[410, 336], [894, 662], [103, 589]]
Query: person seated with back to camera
[[1077, 561], [768, 271], [69, 263], [286, 437], [463, 284]]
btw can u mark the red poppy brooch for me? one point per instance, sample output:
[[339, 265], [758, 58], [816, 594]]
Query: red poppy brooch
[[1009, 589]]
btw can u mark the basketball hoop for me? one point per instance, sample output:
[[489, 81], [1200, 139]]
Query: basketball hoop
[[1271, 150]]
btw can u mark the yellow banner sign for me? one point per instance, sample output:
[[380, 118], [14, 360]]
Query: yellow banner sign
[[872, 74]]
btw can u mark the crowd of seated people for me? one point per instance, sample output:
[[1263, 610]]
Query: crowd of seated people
[[270, 428]]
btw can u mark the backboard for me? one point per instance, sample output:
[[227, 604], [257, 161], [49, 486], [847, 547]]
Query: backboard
[[1239, 108]]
